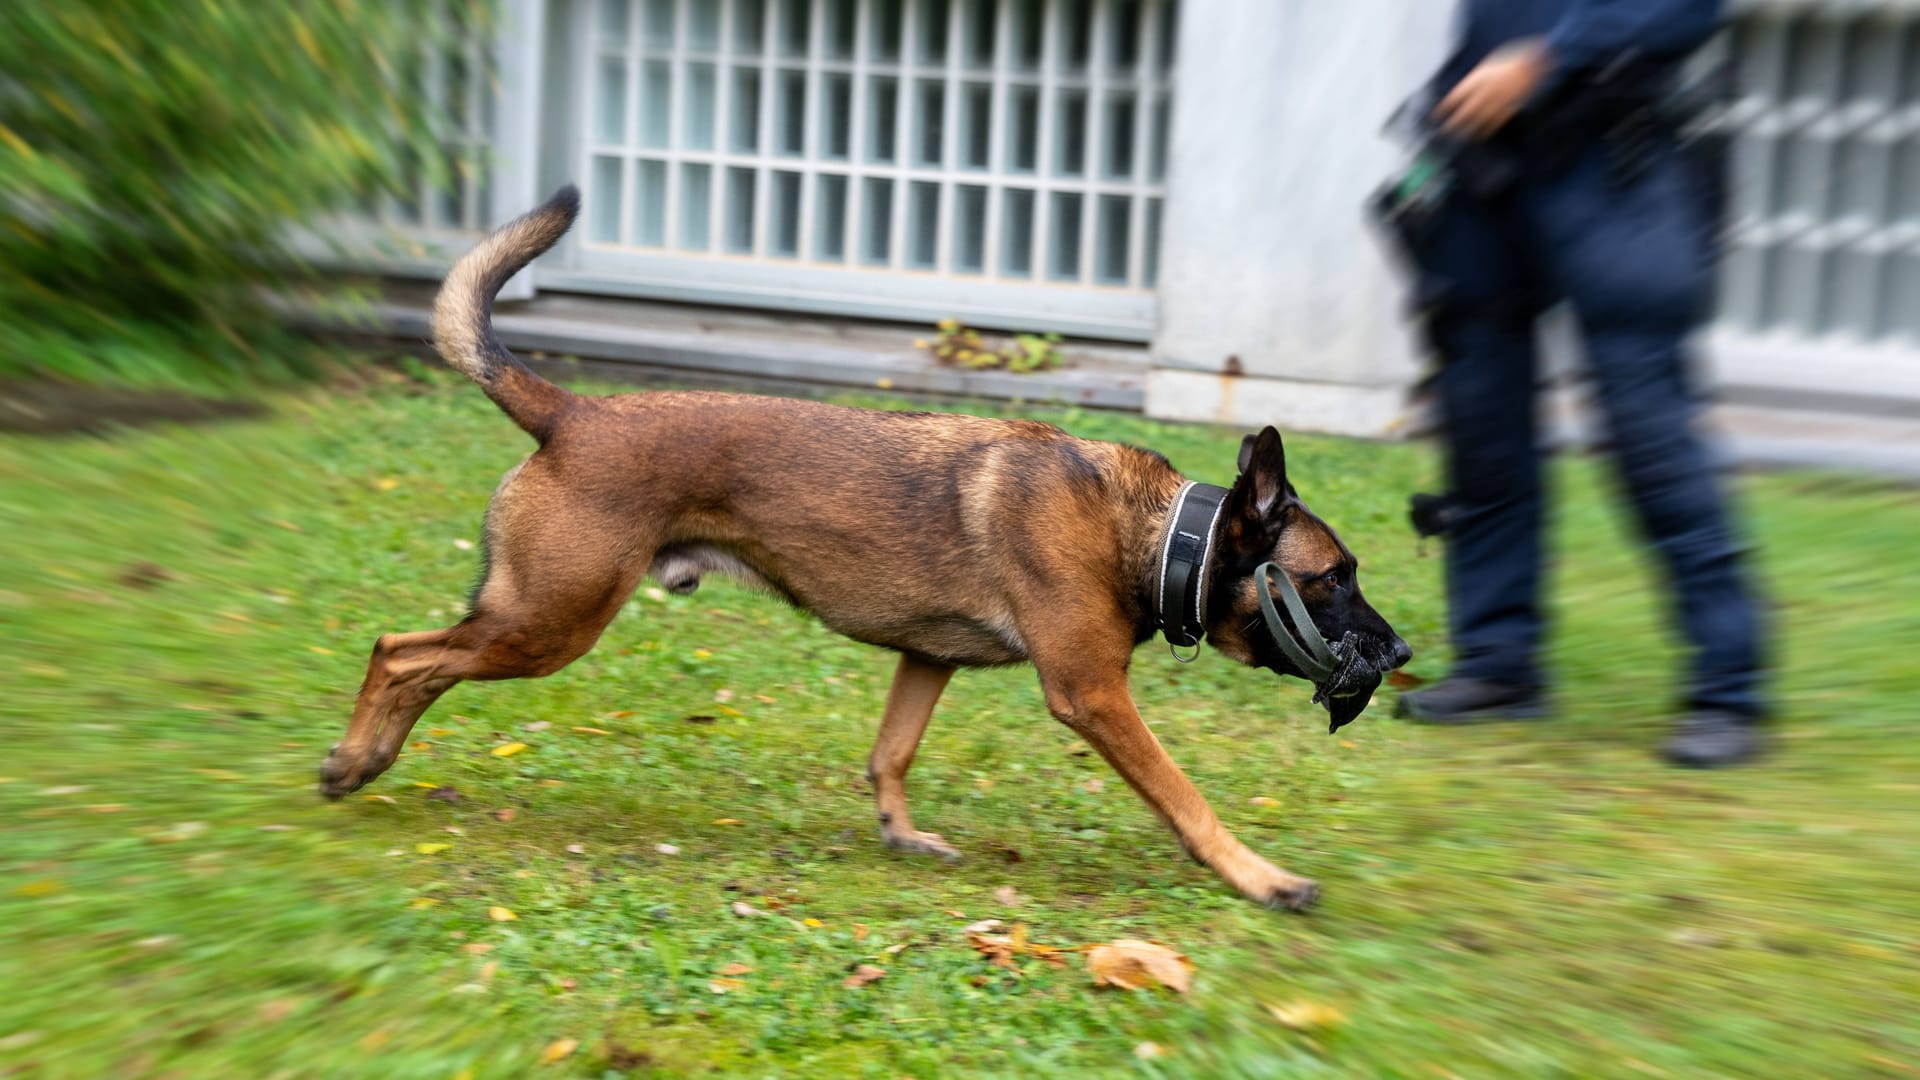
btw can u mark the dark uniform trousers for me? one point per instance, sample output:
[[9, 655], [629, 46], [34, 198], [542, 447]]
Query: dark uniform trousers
[[1631, 259]]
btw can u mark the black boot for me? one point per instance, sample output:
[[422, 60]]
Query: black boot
[[1461, 700], [1713, 739]]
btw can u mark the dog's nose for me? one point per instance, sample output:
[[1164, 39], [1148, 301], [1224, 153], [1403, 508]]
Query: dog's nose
[[1402, 652]]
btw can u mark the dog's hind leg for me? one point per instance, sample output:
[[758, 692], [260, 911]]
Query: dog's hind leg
[[555, 579], [917, 684]]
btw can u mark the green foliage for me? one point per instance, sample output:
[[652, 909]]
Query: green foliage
[[153, 156], [960, 346]]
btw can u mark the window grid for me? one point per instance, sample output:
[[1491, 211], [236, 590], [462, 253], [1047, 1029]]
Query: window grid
[[771, 114], [1824, 237], [457, 78]]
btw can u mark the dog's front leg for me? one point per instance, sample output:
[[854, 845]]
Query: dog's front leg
[[1095, 703], [916, 687]]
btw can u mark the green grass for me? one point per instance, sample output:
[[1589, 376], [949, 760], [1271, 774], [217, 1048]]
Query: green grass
[[1536, 900]]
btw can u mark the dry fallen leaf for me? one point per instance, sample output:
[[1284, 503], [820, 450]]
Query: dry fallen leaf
[[1147, 1051], [505, 813], [476, 948], [1349, 744], [419, 902], [592, 731], [539, 725], [1264, 800], [388, 799], [735, 969], [1093, 785], [746, 910], [1404, 680], [984, 926], [723, 696], [728, 821], [1136, 965], [557, 1050], [576, 849], [1002, 948], [859, 931], [666, 849], [863, 975], [431, 849], [1008, 896], [444, 794], [723, 986], [500, 914], [508, 750], [812, 923], [1306, 1015]]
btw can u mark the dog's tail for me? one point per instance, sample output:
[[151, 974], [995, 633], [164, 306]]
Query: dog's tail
[[463, 314]]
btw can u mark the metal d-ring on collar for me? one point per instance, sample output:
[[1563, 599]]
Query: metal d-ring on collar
[[1315, 661], [1180, 596]]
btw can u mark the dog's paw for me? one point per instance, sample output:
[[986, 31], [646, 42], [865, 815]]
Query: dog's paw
[[1295, 894], [924, 843], [339, 777]]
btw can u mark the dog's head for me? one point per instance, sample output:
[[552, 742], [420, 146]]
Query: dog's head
[[1262, 521]]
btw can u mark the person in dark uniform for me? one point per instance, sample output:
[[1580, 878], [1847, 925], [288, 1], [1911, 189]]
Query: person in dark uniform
[[1574, 196]]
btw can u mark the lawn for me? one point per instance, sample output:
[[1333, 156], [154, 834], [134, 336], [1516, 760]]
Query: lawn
[[187, 613]]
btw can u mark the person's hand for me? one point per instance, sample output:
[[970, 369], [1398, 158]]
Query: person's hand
[[1491, 93]]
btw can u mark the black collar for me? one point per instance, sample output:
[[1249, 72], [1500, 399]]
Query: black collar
[[1180, 593]]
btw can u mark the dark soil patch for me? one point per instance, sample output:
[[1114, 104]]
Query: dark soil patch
[[54, 408]]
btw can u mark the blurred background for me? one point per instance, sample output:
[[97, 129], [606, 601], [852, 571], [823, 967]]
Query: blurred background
[[1178, 185], [229, 460]]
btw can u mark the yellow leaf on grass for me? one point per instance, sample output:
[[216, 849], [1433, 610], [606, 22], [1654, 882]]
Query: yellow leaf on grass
[[1264, 800], [728, 821], [735, 969], [1306, 1015], [439, 731], [387, 483], [508, 750], [859, 931], [729, 710], [388, 799], [321, 651], [558, 1049], [500, 914], [724, 986], [592, 731], [702, 654], [428, 784], [1348, 743], [813, 924], [431, 849], [419, 902], [1137, 965]]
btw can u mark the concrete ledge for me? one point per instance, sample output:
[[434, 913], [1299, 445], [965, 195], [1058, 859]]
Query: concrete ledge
[[742, 350], [1332, 408]]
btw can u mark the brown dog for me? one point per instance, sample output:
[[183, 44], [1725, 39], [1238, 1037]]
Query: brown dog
[[953, 540]]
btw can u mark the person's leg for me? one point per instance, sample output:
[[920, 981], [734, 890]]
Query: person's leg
[[1483, 331], [1633, 261]]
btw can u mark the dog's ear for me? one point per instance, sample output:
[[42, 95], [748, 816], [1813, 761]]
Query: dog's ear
[[1263, 462], [1261, 497]]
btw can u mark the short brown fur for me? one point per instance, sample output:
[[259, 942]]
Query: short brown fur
[[956, 541]]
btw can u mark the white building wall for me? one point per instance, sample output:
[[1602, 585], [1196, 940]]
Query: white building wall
[[1276, 303]]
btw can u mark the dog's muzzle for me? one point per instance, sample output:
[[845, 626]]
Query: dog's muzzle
[[1344, 674]]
